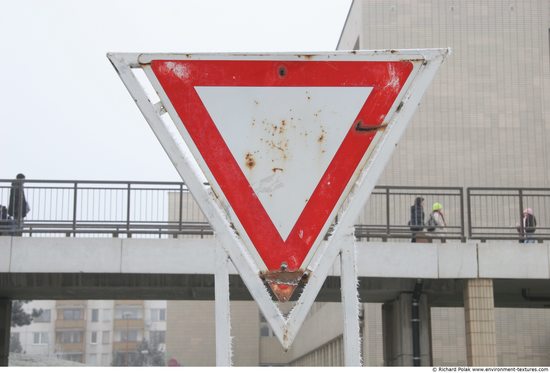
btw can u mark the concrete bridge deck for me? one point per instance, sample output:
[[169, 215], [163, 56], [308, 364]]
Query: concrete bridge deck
[[120, 268]]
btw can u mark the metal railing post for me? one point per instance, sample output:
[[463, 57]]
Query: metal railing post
[[75, 202], [462, 237], [387, 213], [19, 208], [521, 208], [469, 211], [180, 218], [128, 234]]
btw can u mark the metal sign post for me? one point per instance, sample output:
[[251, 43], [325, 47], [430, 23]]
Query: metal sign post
[[283, 140], [222, 309], [350, 302]]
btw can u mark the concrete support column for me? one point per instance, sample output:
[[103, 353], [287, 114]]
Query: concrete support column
[[5, 325], [479, 311], [397, 332]]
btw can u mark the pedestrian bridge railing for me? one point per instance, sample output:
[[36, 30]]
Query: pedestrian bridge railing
[[167, 209], [495, 213], [108, 208]]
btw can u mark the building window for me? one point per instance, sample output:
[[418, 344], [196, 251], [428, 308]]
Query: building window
[[265, 331], [157, 337], [95, 315], [158, 314], [45, 316], [129, 313], [73, 314], [40, 338], [130, 335], [107, 312], [106, 337], [69, 336], [105, 359], [93, 338]]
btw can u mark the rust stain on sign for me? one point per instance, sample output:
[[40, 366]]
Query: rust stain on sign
[[322, 136], [283, 283], [283, 127], [250, 161]]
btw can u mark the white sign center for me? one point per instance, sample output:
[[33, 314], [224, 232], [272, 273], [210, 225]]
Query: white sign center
[[292, 135]]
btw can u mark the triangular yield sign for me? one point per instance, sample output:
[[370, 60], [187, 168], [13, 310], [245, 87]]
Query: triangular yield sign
[[283, 139]]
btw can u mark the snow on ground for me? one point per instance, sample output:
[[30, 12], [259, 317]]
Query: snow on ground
[[22, 360]]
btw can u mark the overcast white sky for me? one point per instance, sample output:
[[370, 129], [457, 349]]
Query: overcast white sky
[[65, 114]]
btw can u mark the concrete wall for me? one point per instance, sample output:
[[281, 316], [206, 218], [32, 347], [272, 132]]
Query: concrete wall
[[523, 336], [325, 322], [106, 255], [500, 259], [484, 120], [272, 353], [191, 336], [245, 329], [453, 260], [190, 339]]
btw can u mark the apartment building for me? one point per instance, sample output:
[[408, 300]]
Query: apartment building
[[96, 332]]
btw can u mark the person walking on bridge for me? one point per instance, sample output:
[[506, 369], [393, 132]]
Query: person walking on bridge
[[436, 222], [18, 206], [416, 222], [527, 226]]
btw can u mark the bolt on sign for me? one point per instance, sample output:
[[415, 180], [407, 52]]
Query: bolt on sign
[[283, 140]]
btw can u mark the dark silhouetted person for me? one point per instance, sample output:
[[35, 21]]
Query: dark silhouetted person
[[416, 222], [18, 206], [6, 224]]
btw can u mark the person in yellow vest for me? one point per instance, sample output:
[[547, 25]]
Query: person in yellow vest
[[436, 223]]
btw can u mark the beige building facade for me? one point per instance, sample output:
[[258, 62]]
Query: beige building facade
[[522, 336], [485, 119]]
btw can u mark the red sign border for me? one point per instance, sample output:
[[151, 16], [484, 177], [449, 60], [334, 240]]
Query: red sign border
[[179, 78]]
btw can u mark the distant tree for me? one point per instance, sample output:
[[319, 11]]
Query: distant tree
[[19, 317], [149, 355], [15, 345]]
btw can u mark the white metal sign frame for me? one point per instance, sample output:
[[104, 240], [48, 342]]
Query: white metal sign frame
[[220, 215]]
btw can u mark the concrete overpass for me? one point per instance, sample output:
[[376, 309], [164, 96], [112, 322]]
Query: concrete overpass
[[510, 275], [118, 268]]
